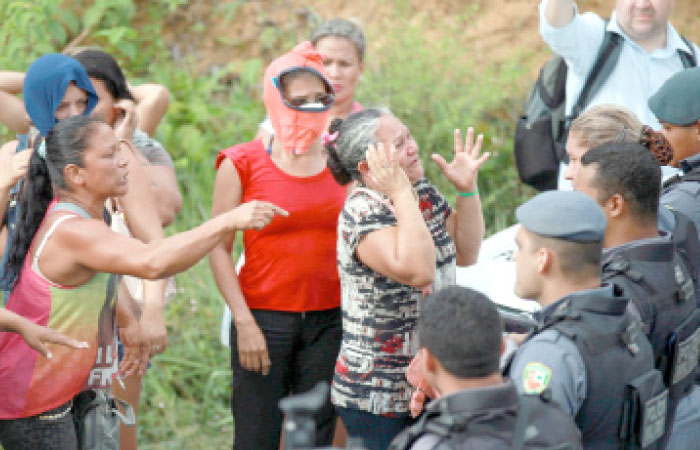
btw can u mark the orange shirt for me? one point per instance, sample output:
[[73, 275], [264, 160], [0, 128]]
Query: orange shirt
[[290, 265]]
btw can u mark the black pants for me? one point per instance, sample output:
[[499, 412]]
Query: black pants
[[52, 430], [303, 348]]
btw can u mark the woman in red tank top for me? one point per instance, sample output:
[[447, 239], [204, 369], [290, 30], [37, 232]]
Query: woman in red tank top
[[285, 301]]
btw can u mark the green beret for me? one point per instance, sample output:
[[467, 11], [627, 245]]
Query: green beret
[[677, 102]]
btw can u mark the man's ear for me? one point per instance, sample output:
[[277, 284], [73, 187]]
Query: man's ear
[[616, 205], [545, 259], [430, 362]]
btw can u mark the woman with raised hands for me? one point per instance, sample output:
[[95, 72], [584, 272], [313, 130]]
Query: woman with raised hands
[[398, 240], [64, 260]]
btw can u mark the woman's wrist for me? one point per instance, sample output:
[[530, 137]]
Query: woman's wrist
[[470, 193], [404, 190]]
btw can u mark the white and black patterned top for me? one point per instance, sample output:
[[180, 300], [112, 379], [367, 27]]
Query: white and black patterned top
[[380, 314]]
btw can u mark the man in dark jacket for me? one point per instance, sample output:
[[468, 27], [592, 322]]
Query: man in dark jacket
[[461, 337]]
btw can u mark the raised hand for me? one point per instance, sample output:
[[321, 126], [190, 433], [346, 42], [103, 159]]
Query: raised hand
[[389, 178], [255, 214], [126, 119], [463, 170], [14, 167]]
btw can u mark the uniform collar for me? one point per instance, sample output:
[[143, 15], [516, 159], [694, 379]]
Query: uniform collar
[[674, 42], [690, 163], [589, 300], [476, 400], [609, 253]]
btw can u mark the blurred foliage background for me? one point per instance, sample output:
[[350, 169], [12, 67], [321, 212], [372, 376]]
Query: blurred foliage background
[[438, 66]]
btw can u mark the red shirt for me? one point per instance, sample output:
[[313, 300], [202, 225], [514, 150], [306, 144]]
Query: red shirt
[[290, 265]]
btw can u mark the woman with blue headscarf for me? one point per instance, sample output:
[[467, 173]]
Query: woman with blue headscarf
[[55, 87]]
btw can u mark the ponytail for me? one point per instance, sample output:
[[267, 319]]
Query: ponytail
[[335, 165], [657, 144], [35, 198]]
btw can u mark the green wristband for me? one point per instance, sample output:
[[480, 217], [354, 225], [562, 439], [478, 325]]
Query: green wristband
[[469, 194]]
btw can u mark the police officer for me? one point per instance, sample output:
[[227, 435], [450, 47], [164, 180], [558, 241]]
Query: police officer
[[655, 270], [588, 352], [677, 107], [460, 333]]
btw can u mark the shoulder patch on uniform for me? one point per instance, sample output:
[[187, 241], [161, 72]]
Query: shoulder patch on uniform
[[536, 377]]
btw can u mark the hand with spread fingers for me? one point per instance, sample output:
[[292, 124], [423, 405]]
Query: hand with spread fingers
[[384, 169], [464, 168]]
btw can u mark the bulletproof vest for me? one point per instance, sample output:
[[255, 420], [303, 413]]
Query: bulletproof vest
[[626, 400], [533, 423], [659, 278]]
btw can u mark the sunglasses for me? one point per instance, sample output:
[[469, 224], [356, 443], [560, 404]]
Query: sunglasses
[[317, 103]]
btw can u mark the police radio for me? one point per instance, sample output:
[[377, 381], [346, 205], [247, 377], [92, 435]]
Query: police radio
[[299, 425]]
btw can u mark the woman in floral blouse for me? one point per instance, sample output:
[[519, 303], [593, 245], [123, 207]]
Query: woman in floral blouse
[[398, 239]]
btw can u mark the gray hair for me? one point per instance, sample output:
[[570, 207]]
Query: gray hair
[[342, 28], [349, 148]]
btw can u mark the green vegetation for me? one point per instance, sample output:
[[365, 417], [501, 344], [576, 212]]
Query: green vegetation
[[430, 85]]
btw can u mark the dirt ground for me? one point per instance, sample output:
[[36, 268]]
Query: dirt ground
[[216, 32]]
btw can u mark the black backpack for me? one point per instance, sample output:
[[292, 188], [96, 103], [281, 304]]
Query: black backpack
[[542, 129]]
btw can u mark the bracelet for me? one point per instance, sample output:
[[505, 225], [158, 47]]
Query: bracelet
[[468, 194]]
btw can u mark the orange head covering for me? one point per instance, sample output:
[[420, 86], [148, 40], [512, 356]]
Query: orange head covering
[[296, 130]]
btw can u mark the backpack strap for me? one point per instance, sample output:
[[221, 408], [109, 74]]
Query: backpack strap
[[604, 64], [688, 59]]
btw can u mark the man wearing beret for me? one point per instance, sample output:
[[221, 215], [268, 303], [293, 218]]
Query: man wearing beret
[[655, 270], [587, 350], [677, 106]]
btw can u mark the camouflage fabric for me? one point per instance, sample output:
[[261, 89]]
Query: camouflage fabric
[[380, 314]]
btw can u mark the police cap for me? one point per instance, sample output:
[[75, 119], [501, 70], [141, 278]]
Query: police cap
[[676, 101], [567, 215]]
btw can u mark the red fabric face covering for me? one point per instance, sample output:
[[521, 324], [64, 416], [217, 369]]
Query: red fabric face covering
[[296, 130]]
